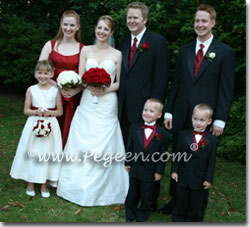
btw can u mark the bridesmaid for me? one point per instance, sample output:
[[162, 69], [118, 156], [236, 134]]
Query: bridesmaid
[[64, 52]]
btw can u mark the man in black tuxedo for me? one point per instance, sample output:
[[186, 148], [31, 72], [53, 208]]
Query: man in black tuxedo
[[145, 68], [144, 73], [204, 74]]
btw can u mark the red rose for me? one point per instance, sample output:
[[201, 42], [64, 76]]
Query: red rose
[[145, 45], [203, 144], [158, 136]]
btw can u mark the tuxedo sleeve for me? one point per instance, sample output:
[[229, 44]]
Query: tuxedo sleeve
[[211, 161], [226, 86], [175, 84], [161, 69]]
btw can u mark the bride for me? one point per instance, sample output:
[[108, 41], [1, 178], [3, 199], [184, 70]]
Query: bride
[[97, 177]]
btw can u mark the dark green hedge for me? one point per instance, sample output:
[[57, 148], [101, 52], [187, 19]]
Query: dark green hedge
[[25, 26]]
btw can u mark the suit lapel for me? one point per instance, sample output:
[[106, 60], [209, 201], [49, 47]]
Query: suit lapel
[[190, 140], [137, 52], [154, 140], [205, 63], [191, 57], [140, 136], [126, 53]]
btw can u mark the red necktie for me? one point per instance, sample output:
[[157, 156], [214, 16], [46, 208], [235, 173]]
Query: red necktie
[[198, 59], [132, 51]]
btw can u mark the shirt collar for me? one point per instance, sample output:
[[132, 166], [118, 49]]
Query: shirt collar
[[150, 124], [138, 37], [206, 44]]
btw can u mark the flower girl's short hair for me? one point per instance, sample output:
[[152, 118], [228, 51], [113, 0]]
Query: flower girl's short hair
[[45, 65]]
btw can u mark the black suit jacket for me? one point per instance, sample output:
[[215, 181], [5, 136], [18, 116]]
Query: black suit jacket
[[201, 166], [149, 161], [213, 84], [146, 77]]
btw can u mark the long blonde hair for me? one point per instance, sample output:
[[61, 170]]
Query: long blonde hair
[[59, 35]]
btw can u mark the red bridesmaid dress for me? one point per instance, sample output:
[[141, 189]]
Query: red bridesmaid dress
[[63, 63]]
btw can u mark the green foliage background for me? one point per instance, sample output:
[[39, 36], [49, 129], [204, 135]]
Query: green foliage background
[[25, 26]]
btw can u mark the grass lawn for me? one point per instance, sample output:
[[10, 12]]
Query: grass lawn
[[227, 201]]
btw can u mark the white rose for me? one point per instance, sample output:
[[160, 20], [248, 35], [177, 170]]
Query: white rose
[[212, 55]]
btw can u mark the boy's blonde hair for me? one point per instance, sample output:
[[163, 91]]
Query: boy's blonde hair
[[156, 101], [45, 65], [204, 107]]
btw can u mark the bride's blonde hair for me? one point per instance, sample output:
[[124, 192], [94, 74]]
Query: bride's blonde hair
[[108, 20]]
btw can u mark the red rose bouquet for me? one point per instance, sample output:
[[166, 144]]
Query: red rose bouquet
[[96, 77]]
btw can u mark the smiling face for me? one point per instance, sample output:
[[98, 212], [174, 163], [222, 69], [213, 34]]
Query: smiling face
[[102, 31], [200, 120], [43, 76], [135, 22], [69, 26], [203, 25], [151, 112]]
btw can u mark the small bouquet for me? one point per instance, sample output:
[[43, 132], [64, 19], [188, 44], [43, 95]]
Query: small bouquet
[[42, 128], [96, 77], [68, 79]]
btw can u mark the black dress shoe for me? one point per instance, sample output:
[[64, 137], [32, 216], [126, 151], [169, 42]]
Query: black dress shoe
[[153, 207], [129, 220], [168, 208]]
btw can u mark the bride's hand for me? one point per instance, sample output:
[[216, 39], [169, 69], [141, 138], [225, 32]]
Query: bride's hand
[[70, 92], [97, 91]]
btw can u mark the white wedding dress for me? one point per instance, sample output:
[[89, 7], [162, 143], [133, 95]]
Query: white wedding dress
[[95, 129]]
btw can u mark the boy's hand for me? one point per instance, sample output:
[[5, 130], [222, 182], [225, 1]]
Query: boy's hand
[[175, 177], [206, 185], [157, 176], [127, 168]]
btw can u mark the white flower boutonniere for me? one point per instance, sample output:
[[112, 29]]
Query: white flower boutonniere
[[210, 56]]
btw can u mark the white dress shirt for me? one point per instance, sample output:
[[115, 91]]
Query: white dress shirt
[[138, 37], [148, 131]]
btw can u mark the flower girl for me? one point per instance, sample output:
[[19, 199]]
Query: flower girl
[[40, 145]]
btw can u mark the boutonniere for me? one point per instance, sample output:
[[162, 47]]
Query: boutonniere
[[143, 46], [210, 56], [203, 144], [158, 136]]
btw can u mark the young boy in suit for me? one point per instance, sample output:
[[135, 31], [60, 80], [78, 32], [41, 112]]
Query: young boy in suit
[[194, 176], [147, 143]]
